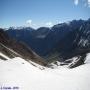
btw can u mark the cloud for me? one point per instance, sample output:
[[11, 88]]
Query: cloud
[[88, 3], [85, 3], [29, 22], [76, 2], [49, 24]]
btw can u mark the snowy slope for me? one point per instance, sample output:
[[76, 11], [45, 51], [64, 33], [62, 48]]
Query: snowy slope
[[87, 58], [23, 75], [1, 54]]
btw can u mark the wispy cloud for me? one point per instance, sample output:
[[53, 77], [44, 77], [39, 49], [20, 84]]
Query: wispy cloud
[[85, 3], [49, 24], [88, 3], [29, 22], [76, 2]]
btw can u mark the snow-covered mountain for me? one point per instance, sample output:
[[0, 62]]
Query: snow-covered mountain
[[23, 69], [65, 39]]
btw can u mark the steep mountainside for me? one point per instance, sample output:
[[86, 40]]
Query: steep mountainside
[[12, 48], [76, 42]]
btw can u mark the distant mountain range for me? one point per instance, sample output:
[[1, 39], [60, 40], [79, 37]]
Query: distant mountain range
[[63, 40]]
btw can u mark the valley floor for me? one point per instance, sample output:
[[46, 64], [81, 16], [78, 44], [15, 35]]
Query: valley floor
[[18, 74]]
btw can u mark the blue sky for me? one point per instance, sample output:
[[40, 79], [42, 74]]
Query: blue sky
[[36, 13]]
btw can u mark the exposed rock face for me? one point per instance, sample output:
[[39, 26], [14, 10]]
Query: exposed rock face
[[78, 62]]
